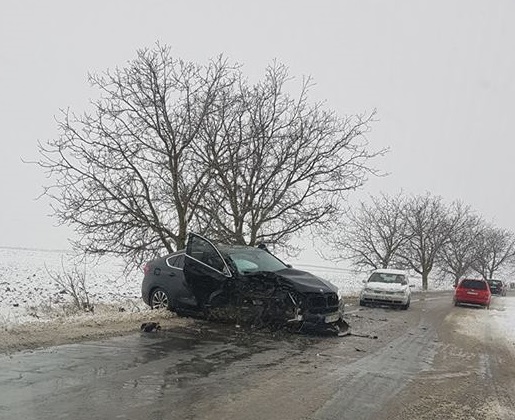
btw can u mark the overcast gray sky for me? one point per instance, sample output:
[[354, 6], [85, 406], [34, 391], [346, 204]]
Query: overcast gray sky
[[441, 75]]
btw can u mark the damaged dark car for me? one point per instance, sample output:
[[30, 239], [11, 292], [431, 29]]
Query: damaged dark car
[[244, 283]]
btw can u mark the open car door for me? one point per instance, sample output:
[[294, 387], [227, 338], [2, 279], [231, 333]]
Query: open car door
[[205, 270]]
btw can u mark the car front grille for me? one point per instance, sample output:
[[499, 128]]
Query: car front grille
[[323, 303]]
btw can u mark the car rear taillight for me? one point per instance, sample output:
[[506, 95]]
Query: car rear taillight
[[146, 268]]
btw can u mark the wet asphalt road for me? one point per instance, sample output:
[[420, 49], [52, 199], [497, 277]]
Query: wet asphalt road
[[214, 371]]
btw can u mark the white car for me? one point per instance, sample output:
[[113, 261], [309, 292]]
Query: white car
[[386, 287]]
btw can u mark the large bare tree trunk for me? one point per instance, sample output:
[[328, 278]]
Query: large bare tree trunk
[[425, 281]]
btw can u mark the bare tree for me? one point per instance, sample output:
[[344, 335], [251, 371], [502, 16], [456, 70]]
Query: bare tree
[[73, 282], [495, 250], [126, 176], [173, 146], [279, 164], [428, 231], [459, 252], [372, 234]]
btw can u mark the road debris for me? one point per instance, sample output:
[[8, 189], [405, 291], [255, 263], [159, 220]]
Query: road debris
[[150, 327]]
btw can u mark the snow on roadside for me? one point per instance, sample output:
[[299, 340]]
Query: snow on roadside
[[499, 318], [504, 317], [28, 292]]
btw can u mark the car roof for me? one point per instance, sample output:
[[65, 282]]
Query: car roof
[[223, 248], [474, 280], [390, 271], [229, 249], [179, 252]]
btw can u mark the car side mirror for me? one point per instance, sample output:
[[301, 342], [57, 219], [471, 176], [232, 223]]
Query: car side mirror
[[363, 281], [289, 265]]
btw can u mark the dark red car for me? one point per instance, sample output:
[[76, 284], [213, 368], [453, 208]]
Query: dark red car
[[472, 291]]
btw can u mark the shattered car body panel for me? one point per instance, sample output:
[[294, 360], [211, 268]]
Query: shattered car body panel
[[246, 283]]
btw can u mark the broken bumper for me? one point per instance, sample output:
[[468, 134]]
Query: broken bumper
[[323, 323], [318, 319]]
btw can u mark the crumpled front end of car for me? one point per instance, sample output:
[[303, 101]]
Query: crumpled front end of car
[[319, 307], [320, 312], [284, 302]]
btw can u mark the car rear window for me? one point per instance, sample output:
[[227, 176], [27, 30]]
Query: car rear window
[[474, 284], [176, 261]]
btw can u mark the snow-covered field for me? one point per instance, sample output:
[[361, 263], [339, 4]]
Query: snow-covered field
[[29, 293]]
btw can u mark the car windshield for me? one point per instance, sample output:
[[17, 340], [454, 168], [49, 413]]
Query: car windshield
[[254, 259], [387, 278]]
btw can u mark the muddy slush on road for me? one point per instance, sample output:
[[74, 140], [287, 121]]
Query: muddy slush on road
[[398, 365]]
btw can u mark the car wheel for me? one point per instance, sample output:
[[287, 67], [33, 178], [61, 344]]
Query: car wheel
[[405, 307], [362, 303], [159, 299]]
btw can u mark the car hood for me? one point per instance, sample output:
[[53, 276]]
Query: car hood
[[305, 282], [387, 287]]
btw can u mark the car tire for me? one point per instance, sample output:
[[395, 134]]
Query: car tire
[[406, 306], [362, 303], [160, 299], [456, 303]]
